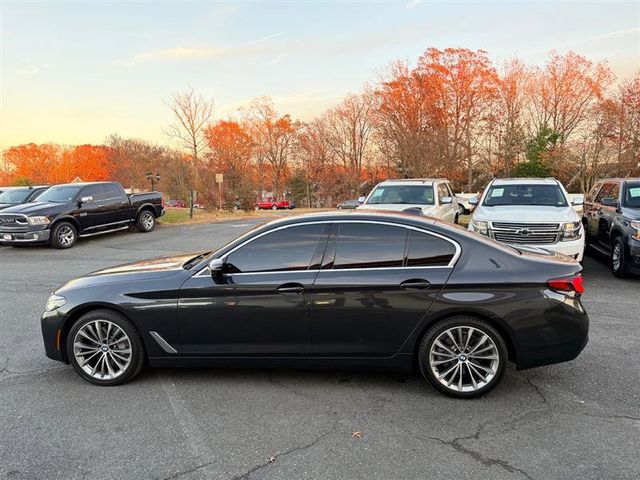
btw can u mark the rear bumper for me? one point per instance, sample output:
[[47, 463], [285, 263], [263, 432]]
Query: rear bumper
[[36, 236], [560, 336]]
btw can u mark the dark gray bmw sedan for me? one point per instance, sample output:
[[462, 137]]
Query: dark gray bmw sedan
[[367, 290]]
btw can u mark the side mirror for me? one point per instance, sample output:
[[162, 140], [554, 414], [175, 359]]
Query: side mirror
[[86, 200], [578, 200], [474, 201], [361, 199], [215, 266], [446, 200], [609, 202]]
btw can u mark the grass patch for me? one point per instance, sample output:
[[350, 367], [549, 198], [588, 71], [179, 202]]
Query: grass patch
[[180, 216]]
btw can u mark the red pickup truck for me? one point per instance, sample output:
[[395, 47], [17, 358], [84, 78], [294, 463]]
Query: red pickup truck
[[271, 203]]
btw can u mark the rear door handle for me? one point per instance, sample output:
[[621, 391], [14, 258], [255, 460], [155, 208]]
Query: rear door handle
[[290, 288], [415, 284]]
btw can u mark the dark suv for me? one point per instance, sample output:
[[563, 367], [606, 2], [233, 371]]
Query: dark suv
[[612, 222]]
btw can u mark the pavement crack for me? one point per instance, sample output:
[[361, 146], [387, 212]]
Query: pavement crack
[[190, 470], [538, 391], [479, 457], [278, 455]]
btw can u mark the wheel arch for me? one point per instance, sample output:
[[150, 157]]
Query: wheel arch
[[492, 320], [147, 206], [67, 218]]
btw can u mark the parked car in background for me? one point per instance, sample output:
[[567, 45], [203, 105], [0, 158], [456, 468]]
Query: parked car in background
[[348, 205], [11, 196], [431, 196], [65, 212], [612, 222], [176, 204], [463, 201], [530, 211], [360, 289], [272, 203], [577, 200]]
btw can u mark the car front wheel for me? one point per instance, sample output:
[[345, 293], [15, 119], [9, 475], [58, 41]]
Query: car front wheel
[[105, 348], [462, 357], [63, 235]]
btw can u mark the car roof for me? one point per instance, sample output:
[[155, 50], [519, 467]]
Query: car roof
[[370, 215], [15, 187], [618, 179], [527, 181], [81, 184], [412, 181]]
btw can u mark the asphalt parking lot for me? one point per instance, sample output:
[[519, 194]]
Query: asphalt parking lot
[[575, 420]]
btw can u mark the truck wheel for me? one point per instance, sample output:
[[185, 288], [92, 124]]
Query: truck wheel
[[274, 207], [618, 259], [63, 235], [146, 221]]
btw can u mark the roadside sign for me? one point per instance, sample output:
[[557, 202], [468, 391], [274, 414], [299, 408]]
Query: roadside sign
[[219, 177]]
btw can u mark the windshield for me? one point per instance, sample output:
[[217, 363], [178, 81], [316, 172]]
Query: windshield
[[62, 194], [404, 194], [18, 195], [632, 198], [541, 195]]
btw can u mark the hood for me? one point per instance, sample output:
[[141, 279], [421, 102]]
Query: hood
[[631, 213], [140, 271], [526, 214], [37, 208], [6, 205], [428, 210]]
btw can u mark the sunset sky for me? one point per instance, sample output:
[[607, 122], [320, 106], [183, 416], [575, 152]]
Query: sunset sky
[[75, 72]]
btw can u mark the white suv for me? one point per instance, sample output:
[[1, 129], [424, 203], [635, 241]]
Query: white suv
[[533, 212], [432, 196]]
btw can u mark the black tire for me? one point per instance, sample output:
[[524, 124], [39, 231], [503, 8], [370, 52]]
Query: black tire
[[63, 235], [274, 207], [146, 221], [617, 248], [441, 327], [137, 360]]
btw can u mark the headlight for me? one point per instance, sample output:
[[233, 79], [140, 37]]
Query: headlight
[[571, 231], [635, 224], [55, 301], [38, 220], [480, 226]]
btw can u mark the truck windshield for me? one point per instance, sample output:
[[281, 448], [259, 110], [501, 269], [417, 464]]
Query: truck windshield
[[18, 195], [61, 194], [409, 194], [540, 195], [632, 197]]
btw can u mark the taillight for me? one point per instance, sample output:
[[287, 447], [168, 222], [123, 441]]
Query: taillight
[[567, 284]]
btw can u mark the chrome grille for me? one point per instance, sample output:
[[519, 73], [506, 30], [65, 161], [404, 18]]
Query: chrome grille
[[13, 223], [526, 233]]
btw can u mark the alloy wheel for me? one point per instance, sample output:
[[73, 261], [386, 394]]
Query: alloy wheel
[[464, 359], [66, 235], [616, 257], [147, 221], [102, 349]]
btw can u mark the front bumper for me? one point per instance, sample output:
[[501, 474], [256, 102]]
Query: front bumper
[[52, 324], [633, 258], [572, 248], [35, 236]]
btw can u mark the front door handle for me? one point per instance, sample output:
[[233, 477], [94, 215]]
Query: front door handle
[[415, 284], [290, 288]]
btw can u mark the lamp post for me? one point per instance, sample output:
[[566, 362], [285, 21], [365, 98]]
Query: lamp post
[[153, 179]]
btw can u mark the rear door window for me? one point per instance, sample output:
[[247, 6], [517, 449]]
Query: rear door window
[[368, 245], [112, 191]]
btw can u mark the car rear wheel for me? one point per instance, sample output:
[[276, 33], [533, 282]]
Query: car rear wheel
[[274, 207], [462, 357], [146, 221], [618, 258], [105, 348], [63, 235]]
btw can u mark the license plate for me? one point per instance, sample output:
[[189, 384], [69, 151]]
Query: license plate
[[6, 236]]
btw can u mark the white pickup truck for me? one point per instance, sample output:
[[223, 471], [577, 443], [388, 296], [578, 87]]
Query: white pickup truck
[[427, 196], [533, 212]]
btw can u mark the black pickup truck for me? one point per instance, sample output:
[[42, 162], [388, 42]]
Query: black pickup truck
[[612, 222], [65, 212]]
